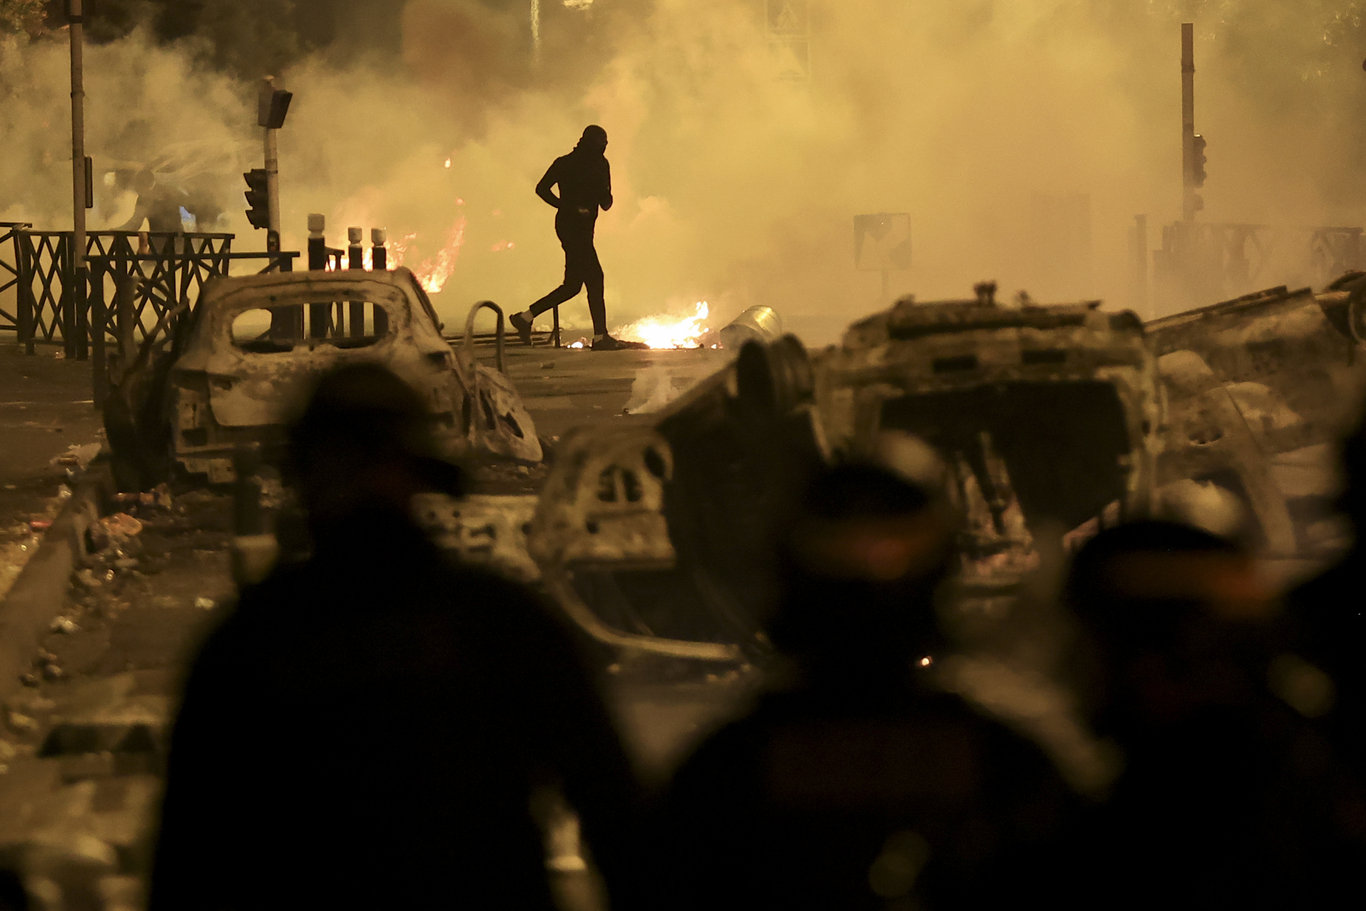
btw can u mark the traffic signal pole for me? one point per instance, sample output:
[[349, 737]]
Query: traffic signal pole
[[1191, 202], [271, 115], [272, 105], [273, 190]]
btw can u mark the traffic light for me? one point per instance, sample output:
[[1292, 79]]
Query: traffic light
[[1198, 160], [258, 200], [272, 106]]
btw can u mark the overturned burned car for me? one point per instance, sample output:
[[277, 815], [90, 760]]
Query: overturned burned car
[[1053, 421], [1259, 389], [1048, 416], [650, 532], [222, 377]]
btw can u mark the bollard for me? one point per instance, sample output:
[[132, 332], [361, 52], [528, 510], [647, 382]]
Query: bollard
[[379, 261], [379, 254], [318, 314], [317, 244], [355, 319], [355, 253]]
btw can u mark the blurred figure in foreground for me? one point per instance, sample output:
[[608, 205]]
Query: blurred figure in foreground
[[856, 782], [1226, 797], [1327, 617], [13, 894], [370, 728]]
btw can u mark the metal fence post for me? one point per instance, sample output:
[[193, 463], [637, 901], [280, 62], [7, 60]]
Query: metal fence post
[[24, 290], [67, 299], [82, 317], [99, 367], [124, 317]]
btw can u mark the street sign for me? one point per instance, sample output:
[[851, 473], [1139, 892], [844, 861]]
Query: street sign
[[882, 241], [787, 17]]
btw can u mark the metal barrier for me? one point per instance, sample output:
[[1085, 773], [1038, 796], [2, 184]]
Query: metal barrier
[[1201, 262], [134, 297], [9, 269], [148, 274], [50, 308]]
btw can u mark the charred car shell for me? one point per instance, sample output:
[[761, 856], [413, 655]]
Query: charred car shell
[[1047, 416], [238, 360], [652, 533], [1259, 388]]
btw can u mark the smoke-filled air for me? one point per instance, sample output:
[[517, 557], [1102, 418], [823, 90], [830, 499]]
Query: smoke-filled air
[[1021, 137]]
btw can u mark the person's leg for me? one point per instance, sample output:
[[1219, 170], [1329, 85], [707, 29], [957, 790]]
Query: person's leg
[[572, 242], [593, 278], [522, 321], [561, 294], [573, 281]]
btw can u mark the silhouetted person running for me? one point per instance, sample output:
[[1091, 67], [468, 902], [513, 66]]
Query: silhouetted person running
[[584, 180], [370, 726], [855, 782], [1226, 796]]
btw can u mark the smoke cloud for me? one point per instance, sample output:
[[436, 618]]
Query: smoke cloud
[[1021, 139]]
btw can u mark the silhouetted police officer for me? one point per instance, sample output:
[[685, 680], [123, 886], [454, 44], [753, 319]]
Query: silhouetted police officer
[[1226, 796], [368, 728], [856, 782]]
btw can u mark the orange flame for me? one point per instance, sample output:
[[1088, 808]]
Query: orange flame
[[435, 272], [670, 331]]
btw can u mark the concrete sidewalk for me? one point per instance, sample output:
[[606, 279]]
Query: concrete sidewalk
[[48, 428], [50, 432]]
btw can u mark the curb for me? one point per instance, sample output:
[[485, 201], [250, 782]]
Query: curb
[[39, 594]]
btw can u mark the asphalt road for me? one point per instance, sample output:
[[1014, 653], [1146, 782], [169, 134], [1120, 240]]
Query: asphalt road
[[78, 776]]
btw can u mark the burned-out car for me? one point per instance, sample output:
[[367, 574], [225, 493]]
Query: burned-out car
[[1052, 421], [224, 376], [1047, 416], [1259, 388], [651, 533]]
